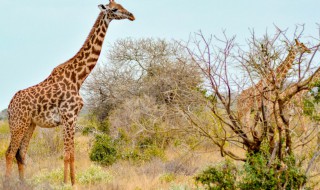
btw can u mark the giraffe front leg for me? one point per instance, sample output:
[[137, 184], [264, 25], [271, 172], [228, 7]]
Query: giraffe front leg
[[68, 138], [69, 114]]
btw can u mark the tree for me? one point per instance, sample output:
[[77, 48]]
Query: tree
[[4, 114], [156, 68], [274, 121], [140, 88], [222, 62]]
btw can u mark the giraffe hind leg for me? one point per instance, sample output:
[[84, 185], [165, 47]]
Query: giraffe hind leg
[[22, 151], [17, 134]]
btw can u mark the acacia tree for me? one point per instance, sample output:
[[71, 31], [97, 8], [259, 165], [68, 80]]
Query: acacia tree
[[141, 86], [228, 70]]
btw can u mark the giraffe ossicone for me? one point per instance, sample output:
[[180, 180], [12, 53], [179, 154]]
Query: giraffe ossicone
[[56, 100]]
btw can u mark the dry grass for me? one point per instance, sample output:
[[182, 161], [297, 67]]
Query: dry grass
[[45, 164]]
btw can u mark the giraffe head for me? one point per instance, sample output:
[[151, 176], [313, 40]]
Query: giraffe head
[[301, 48], [115, 11]]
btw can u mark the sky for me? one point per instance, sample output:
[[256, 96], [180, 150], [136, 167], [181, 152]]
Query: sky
[[37, 35]]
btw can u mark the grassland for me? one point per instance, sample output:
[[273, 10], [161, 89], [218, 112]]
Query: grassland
[[44, 166]]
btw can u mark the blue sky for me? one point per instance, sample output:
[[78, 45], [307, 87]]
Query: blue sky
[[37, 35]]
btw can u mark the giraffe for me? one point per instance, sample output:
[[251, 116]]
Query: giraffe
[[250, 99], [56, 100]]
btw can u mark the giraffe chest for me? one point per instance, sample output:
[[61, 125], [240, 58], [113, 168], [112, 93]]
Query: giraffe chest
[[48, 118]]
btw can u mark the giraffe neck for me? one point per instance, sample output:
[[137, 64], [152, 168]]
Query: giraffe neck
[[76, 70], [315, 78], [283, 68]]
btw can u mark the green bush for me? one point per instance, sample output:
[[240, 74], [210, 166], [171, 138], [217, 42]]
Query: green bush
[[256, 174], [87, 130], [104, 150], [221, 177], [93, 175], [104, 126], [52, 177], [4, 127], [280, 175], [167, 178]]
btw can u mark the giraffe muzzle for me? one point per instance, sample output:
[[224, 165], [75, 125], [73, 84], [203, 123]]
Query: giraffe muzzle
[[131, 17]]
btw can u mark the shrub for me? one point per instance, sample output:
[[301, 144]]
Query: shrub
[[256, 174], [280, 175], [4, 137], [93, 175], [87, 130], [4, 127], [104, 150], [220, 177], [167, 178], [52, 179], [46, 142], [54, 176]]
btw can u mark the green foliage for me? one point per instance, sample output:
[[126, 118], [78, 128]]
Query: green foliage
[[92, 123], [104, 126], [151, 152], [52, 179], [220, 177], [142, 152], [104, 150], [136, 154], [167, 178], [280, 175], [309, 109], [4, 128], [87, 130], [93, 175], [256, 174], [4, 137]]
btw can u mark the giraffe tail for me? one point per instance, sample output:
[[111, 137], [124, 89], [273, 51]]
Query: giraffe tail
[[19, 157]]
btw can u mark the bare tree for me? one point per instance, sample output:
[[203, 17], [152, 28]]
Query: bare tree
[[230, 70]]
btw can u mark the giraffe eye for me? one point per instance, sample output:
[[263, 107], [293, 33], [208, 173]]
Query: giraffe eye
[[114, 10]]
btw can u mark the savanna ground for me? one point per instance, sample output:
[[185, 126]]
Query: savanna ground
[[175, 171], [166, 114], [44, 167]]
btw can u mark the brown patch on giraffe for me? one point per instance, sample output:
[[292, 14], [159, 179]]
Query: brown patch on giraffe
[[104, 30], [90, 60], [92, 38], [99, 43], [79, 69], [87, 47], [95, 51], [73, 77], [91, 67], [86, 55], [67, 73], [83, 74]]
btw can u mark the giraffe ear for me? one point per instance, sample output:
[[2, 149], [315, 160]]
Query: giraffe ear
[[102, 7]]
